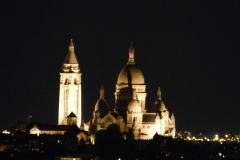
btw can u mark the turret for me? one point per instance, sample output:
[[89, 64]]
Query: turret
[[172, 118], [134, 105], [159, 106], [82, 125], [157, 119], [71, 119], [101, 107], [71, 64]]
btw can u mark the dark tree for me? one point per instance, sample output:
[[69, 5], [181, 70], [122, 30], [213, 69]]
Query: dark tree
[[110, 143], [19, 127]]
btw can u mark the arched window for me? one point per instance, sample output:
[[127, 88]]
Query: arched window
[[75, 81], [67, 82]]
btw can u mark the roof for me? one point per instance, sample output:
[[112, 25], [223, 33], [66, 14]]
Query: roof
[[149, 117], [71, 57], [115, 115], [52, 127], [84, 132], [72, 115]]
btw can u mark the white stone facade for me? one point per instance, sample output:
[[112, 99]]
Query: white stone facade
[[130, 112], [130, 103], [70, 89]]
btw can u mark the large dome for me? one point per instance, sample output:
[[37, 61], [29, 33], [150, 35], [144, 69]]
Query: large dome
[[130, 74]]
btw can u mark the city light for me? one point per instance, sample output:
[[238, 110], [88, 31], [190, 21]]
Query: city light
[[5, 132]]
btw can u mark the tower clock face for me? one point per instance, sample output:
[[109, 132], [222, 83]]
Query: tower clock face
[[131, 55]]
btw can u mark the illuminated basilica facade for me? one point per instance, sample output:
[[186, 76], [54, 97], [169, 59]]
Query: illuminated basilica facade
[[130, 100]]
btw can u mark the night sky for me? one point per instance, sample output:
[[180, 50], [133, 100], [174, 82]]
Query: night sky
[[189, 49]]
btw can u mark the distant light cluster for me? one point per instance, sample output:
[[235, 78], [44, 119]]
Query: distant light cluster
[[186, 135], [5, 132]]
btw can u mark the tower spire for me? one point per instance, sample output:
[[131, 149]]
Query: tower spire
[[102, 92], [71, 63], [71, 46], [159, 93], [131, 54], [172, 117], [71, 57]]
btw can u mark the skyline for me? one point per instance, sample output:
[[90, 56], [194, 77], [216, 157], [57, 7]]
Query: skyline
[[189, 50]]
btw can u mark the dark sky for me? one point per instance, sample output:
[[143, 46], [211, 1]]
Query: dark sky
[[189, 49]]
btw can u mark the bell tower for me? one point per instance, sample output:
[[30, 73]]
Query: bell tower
[[70, 89]]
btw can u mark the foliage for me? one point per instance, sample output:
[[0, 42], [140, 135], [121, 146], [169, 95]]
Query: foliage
[[110, 143], [19, 127]]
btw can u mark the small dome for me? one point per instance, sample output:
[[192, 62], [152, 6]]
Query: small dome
[[158, 104], [134, 105], [101, 105], [130, 74]]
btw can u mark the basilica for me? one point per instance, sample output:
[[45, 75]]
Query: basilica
[[130, 104]]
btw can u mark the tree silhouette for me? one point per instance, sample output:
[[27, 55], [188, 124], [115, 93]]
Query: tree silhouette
[[110, 143]]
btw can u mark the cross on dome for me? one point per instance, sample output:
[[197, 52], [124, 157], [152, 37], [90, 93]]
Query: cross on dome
[[159, 93], [131, 54]]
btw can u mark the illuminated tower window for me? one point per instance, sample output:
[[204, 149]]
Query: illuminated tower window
[[66, 102]]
